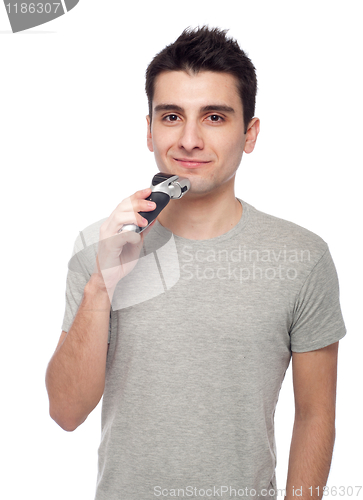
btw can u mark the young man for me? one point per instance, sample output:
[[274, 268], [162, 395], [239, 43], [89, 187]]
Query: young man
[[190, 372]]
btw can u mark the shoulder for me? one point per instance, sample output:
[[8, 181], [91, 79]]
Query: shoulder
[[88, 236], [85, 249], [270, 230]]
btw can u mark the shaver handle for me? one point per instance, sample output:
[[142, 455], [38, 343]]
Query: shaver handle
[[161, 200]]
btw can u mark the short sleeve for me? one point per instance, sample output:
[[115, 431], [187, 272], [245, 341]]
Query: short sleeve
[[317, 318], [74, 293], [80, 268]]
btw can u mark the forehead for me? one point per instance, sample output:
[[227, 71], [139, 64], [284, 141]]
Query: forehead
[[204, 88]]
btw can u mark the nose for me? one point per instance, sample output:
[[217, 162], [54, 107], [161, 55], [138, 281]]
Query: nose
[[191, 137]]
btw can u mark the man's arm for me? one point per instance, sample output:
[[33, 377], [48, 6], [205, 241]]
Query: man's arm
[[314, 379], [75, 375]]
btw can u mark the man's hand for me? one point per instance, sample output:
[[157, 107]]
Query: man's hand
[[118, 253]]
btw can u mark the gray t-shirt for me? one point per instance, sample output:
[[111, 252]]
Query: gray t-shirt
[[201, 334]]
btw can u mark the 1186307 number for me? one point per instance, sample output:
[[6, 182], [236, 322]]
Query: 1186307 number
[[342, 491], [32, 8]]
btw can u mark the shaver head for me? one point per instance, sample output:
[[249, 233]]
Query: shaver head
[[170, 184]]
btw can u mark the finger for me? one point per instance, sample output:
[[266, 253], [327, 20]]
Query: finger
[[142, 205], [130, 237], [137, 198], [144, 233], [115, 223], [133, 203], [128, 213], [142, 194]]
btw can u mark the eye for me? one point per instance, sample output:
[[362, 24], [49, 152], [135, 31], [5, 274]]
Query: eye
[[215, 118], [171, 118]]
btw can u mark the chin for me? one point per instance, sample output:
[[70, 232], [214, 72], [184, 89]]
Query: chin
[[200, 186]]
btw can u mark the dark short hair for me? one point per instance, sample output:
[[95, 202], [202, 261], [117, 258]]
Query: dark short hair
[[207, 49]]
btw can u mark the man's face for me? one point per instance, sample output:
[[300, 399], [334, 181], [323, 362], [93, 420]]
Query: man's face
[[197, 128]]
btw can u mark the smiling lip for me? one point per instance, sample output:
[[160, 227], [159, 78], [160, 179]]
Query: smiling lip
[[190, 163]]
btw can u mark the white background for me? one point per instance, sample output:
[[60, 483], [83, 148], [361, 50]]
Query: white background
[[72, 131]]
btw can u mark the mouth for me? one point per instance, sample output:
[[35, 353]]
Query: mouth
[[190, 162]]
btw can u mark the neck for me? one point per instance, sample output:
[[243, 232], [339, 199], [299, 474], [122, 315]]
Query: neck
[[202, 216]]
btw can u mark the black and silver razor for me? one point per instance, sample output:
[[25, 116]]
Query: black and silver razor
[[164, 187]]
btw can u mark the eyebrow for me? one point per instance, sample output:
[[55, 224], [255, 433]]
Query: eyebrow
[[204, 109]]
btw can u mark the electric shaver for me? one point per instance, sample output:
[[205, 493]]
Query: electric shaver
[[164, 187]]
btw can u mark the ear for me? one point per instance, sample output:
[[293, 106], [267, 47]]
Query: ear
[[149, 138], [251, 135]]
